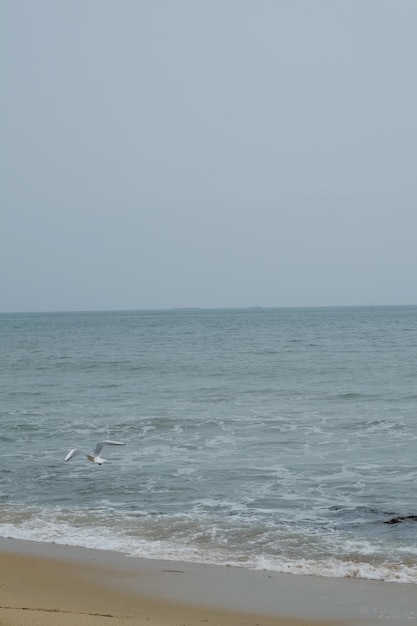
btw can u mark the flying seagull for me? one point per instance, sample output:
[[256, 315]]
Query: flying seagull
[[94, 458]]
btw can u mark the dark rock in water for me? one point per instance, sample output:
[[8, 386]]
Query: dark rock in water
[[401, 518]]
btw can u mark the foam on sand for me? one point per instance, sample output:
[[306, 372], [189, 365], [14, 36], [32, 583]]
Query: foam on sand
[[39, 580]]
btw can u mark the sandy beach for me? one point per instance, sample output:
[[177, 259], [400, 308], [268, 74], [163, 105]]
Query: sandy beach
[[46, 584]]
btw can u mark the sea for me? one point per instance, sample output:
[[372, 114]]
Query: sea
[[277, 439]]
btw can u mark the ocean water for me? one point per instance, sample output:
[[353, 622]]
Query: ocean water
[[276, 439]]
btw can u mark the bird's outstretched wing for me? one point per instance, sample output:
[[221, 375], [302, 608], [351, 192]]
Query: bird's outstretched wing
[[101, 445], [71, 454]]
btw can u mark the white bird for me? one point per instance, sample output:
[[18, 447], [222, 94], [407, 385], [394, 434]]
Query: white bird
[[94, 458]]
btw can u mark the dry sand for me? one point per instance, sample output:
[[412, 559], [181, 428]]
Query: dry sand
[[49, 585]]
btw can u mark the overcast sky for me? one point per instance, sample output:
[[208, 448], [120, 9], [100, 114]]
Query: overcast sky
[[208, 153]]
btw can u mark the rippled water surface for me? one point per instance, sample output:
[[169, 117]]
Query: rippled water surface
[[282, 439]]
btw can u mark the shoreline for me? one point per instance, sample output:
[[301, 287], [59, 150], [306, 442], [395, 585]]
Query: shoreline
[[39, 581]]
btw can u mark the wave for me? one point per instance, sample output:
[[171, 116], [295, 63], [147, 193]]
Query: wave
[[142, 535]]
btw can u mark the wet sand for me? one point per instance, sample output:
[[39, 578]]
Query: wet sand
[[51, 585]]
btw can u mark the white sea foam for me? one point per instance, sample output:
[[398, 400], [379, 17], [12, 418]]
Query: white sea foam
[[171, 550], [341, 569], [89, 530]]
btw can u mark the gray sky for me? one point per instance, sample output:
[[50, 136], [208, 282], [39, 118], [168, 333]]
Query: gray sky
[[212, 153]]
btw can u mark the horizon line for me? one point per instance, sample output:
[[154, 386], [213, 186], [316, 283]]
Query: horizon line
[[203, 308]]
